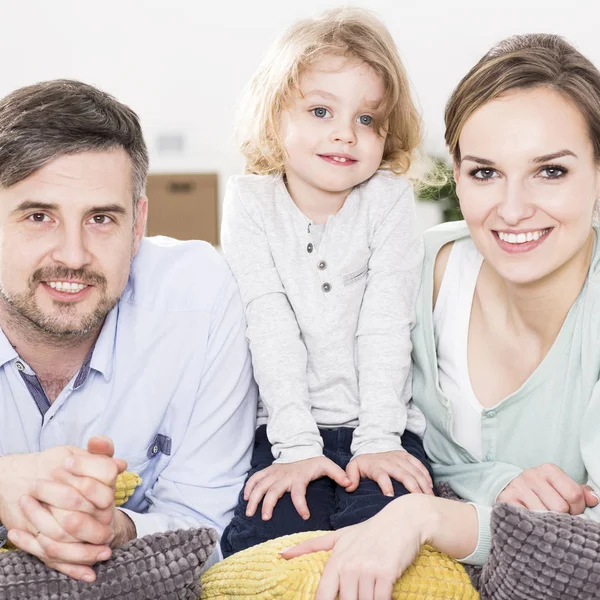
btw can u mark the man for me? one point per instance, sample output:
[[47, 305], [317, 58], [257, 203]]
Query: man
[[103, 332]]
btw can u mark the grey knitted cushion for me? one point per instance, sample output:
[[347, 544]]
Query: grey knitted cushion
[[539, 555], [164, 566]]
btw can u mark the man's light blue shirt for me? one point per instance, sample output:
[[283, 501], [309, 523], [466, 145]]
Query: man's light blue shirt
[[169, 380]]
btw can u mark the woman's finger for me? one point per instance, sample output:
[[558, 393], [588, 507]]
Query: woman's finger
[[366, 587], [330, 582], [383, 589], [348, 582], [318, 544]]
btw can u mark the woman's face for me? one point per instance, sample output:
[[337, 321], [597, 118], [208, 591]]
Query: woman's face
[[528, 183]]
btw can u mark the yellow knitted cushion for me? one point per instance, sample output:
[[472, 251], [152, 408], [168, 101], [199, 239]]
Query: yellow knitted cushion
[[125, 486], [259, 573]]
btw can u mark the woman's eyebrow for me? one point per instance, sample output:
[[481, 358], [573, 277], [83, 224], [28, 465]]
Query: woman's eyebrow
[[476, 159], [553, 156]]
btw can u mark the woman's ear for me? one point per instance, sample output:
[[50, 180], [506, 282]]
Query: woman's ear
[[456, 169]]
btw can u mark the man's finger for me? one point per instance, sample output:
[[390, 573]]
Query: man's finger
[[84, 527], [61, 495], [100, 444], [98, 494], [95, 466], [324, 542], [42, 520]]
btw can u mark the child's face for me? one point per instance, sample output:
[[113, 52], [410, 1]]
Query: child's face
[[328, 132]]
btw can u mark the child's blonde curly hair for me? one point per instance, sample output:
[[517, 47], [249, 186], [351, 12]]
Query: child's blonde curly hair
[[354, 34]]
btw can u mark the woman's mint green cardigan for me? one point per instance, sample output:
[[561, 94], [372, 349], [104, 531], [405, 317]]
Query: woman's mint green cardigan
[[553, 418]]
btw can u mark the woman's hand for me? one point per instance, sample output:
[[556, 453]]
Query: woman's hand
[[274, 481], [368, 558], [381, 467], [548, 487]]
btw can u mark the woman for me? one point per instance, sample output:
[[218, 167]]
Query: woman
[[506, 349]]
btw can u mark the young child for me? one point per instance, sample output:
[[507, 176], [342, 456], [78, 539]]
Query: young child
[[321, 239]]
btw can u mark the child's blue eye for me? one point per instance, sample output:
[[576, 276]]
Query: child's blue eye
[[365, 119], [320, 112]]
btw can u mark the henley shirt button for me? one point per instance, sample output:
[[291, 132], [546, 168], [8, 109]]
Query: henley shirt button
[[20, 366], [322, 265], [154, 449], [309, 248], [326, 287], [490, 414], [489, 457]]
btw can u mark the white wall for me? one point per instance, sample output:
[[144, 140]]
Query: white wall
[[181, 64]]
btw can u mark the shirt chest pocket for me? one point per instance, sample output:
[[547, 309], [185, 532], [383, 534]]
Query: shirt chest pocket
[[356, 275]]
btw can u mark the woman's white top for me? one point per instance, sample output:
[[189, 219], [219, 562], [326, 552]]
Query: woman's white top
[[451, 318]]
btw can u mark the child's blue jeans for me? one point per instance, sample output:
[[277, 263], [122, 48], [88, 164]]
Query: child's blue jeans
[[331, 506]]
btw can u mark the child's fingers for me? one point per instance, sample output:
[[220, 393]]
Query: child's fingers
[[405, 477], [270, 500], [422, 481], [385, 483], [252, 482], [336, 473], [298, 495], [258, 493], [417, 464], [353, 472]]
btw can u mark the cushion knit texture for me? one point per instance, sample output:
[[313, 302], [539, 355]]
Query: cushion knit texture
[[164, 566], [259, 573], [540, 555]]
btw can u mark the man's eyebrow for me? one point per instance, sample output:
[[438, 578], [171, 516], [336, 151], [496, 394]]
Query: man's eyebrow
[[28, 205], [553, 156], [109, 208], [34, 205]]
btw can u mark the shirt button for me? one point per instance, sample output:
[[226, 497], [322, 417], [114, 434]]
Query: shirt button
[[20, 366], [326, 287], [154, 449], [490, 414], [322, 265], [489, 457], [309, 248]]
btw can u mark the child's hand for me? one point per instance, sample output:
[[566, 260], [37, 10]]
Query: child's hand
[[274, 481], [398, 464]]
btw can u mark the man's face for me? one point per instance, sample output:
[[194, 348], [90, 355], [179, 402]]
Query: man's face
[[67, 238]]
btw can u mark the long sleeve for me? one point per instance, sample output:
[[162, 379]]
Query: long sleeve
[[201, 484], [590, 448], [279, 355], [383, 335]]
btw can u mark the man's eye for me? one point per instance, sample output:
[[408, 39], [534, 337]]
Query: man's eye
[[101, 219], [320, 112], [38, 217], [365, 120]]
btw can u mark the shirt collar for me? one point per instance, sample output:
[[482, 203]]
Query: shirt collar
[[103, 352], [7, 352]]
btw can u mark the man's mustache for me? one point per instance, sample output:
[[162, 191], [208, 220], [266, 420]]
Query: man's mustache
[[65, 274]]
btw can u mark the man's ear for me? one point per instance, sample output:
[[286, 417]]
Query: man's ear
[[139, 227]]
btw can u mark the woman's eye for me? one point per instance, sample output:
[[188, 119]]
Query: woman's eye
[[320, 112], [553, 172], [365, 119], [483, 174]]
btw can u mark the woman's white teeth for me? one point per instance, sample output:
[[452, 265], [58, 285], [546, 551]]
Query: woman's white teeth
[[339, 158], [65, 286], [521, 238]]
